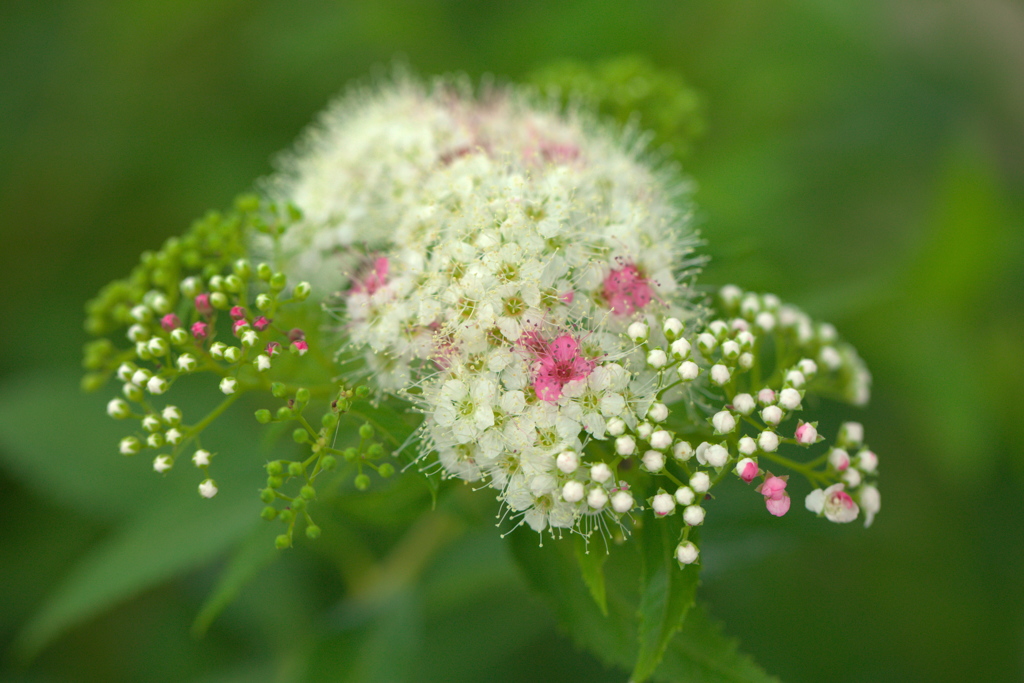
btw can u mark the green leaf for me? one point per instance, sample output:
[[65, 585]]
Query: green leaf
[[666, 591], [592, 569], [700, 652]]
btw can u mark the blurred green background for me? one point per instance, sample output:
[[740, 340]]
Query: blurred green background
[[864, 160]]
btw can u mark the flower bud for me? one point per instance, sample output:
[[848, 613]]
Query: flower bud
[[682, 451], [790, 398], [262, 362], [657, 359], [744, 404], [622, 502], [572, 492], [138, 333], [720, 374], [616, 426], [208, 489], [125, 372], [157, 347], [851, 435], [249, 338], [228, 385], [156, 385], [597, 498], [806, 434], [132, 392], [680, 348], [672, 327], [719, 329], [730, 296], [772, 415], [795, 378], [852, 478], [830, 358], [170, 322], [600, 473], [141, 376], [808, 367], [768, 441], [201, 458], [278, 281], [746, 361], [654, 461], [730, 350], [179, 337], [687, 553], [663, 504], [638, 332], [746, 469], [693, 515], [220, 301], [644, 430], [684, 495], [723, 422], [870, 503], [118, 409], [171, 415], [625, 445], [141, 314], [568, 462], [129, 445], [186, 362], [700, 482], [766, 396], [658, 412], [867, 461], [745, 338], [301, 291], [173, 436], [155, 440], [765, 320], [716, 455], [151, 423], [706, 342], [232, 354], [162, 463], [190, 287], [747, 446], [839, 459], [688, 371]]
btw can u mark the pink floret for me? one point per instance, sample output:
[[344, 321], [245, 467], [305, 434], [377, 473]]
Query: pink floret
[[626, 290], [557, 365]]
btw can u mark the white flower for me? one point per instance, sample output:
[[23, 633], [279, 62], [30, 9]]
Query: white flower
[[597, 498], [682, 450], [625, 445], [835, 503], [600, 473], [208, 489], [870, 502]]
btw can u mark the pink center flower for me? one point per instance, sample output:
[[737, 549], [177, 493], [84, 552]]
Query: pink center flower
[[626, 290], [374, 279], [300, 347], [557, 365]]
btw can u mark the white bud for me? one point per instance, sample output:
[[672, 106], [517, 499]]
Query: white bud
[[142, 351], [744, 404], [622, 501], [657, 358], [262, 362], [693, 515], [747, 446], [723, 422], [658, 412], [201, 458], [852, 478], [768, 441], [870, 503], [685, 495], [208, 489], [701, 450], [720, 374], [716, 455], [132, 392], [750, 306], [672, 327], [745, 338], [654, 461], [707, 342], [141, 376], [795, 378], [568, 461], [663, 504], [249, 338], [118, 409], [157, 347], [700, 482], [772, 415], [730, 295], [186, 362], [867, 461], [827, 333], [160, 304], [644, 430], [680, 348], [682, 451], [138, 333], [730, 349], [765, 320], [661, 439], [572, 492], [141, 314], [125, 371], [615, 426], [151, 423], [172, 415], [162, 463], [217, 349], [173, 436], [129, 445], [232, 354], [688, 371], [839, 459], [851, 434], [228, 385], [770, 301], [718, 328], [155, 440], [600, 473], [789, 398], [191, 286], [263, 302], [746, 361], [808, 367], [830, 358], [806, 434], [638, 332], [766, 396], [179, 337], [687, 553], [156, 385], [625, 445], [597, 498]]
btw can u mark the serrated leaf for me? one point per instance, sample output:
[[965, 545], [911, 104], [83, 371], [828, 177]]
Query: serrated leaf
[[591, 561], [700, 652], [666, 592]]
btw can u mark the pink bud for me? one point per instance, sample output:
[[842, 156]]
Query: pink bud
[[749, 471], [170, 322], [773, 487], [296, 334], [261, 323], [199, 329], [273, 348], [203, 304], [300, 347], [777, 506], [237, 312], [238, 326], [806, 434]]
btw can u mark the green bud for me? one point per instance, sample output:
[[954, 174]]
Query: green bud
[[217, 283], [284, 413], [179, 337], [233, 284], [341, 405], [191, 287], [155, 440], [286, 515], [300, 435], [92, 382], [308, 492], [264, 272], [366, 431], [274, 468], [299, 504], [329, 420], [263, 416], [268, 513], [375, 450], [274, 482], [278, 390], [302, 395], [247, 203], [141, 314], [157, 347], [267, 496], [312, 532], [386, 470], [301, 291], [142, 351], [362, 391], [362, 482], [295, 469], [243, 269], [263, 302], [350, 454], [278, 281], [282, 542], [219, 300], [133, 392], [328, 463], [232, 354]]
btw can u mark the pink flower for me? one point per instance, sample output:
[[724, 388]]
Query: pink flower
[[775, 497], [273, 348], [300, 347], [237, 312], [170, 322], [567, 297], [295, 334], [559, 364], [626, 290], [835, 503], [373, 280], [260, 324], [203, 304], [199, 330], [238, 326]]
